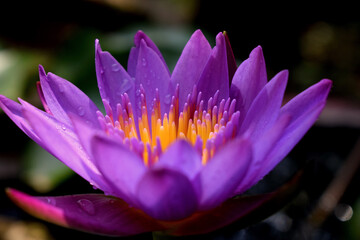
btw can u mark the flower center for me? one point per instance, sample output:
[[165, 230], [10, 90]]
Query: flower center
[[207, 128]]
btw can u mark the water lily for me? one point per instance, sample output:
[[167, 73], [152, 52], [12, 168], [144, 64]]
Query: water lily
[[171, 149]]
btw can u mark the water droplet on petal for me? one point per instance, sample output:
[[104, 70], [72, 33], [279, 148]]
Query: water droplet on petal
[[63, 127], [51, 201], [61, 89], [143, 61], [115, 67], [87, 206], [167, 99], [125, 85], [138, 92], [81, 111]]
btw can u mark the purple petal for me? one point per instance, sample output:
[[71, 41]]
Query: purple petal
[[223, 173], [265, 109], [94, 213], [240, 212], [182, 157], [248, 80], [215, 75], [152, 73], [61, 141], [134, 53], [64, 98], [85, 133], [230, 57], [121, 168], [191, 64], [262, 146], [167, 195], [304, 110], [14, 111], [113, 80]]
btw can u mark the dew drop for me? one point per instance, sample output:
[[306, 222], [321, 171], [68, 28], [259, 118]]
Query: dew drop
[[87, 206], [138, 92], [115, 67], [167, 99], [63, 127], [125, 85], [81, 111], [61, 89], [51, 201], [143, 61]]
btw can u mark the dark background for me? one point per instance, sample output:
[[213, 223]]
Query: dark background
[[313, 41]]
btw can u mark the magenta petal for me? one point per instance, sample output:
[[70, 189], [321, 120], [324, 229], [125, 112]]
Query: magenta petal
[[215, 75], [153, 74], [121, 168], [134, 53], [223, 173], [94, 213], [265, 109], [64, 98], [191, 64], [249, 79], [167, 195], [61, 141], [14, 111], [304, 110], [113, 80]]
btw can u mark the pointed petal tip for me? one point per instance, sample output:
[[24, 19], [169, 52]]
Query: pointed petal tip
[[97, 46], [220, 38], [140, 35], [257, 52], [327, 82], [284, 73], [42, 73]]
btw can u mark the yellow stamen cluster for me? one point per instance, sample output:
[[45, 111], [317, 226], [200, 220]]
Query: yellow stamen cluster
[[199, 127]]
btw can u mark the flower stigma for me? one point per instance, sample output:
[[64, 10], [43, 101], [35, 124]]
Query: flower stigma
[[206, 126]]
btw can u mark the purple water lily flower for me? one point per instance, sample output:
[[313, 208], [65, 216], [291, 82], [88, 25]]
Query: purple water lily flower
[[172, 149]]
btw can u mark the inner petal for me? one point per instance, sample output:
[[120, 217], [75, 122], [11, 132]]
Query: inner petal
[[206, 125]]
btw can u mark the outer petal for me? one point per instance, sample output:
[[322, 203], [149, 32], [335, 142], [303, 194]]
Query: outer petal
[[62, 98], [134, 53], [304, 110], [191, 64], [215, 75], [265, 109], [121, 168], [113, 80], [93, 213], [14, 111], [223, 173], [248, 80], [237, 212], [61, 141], [152, 73], [167, 195]]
